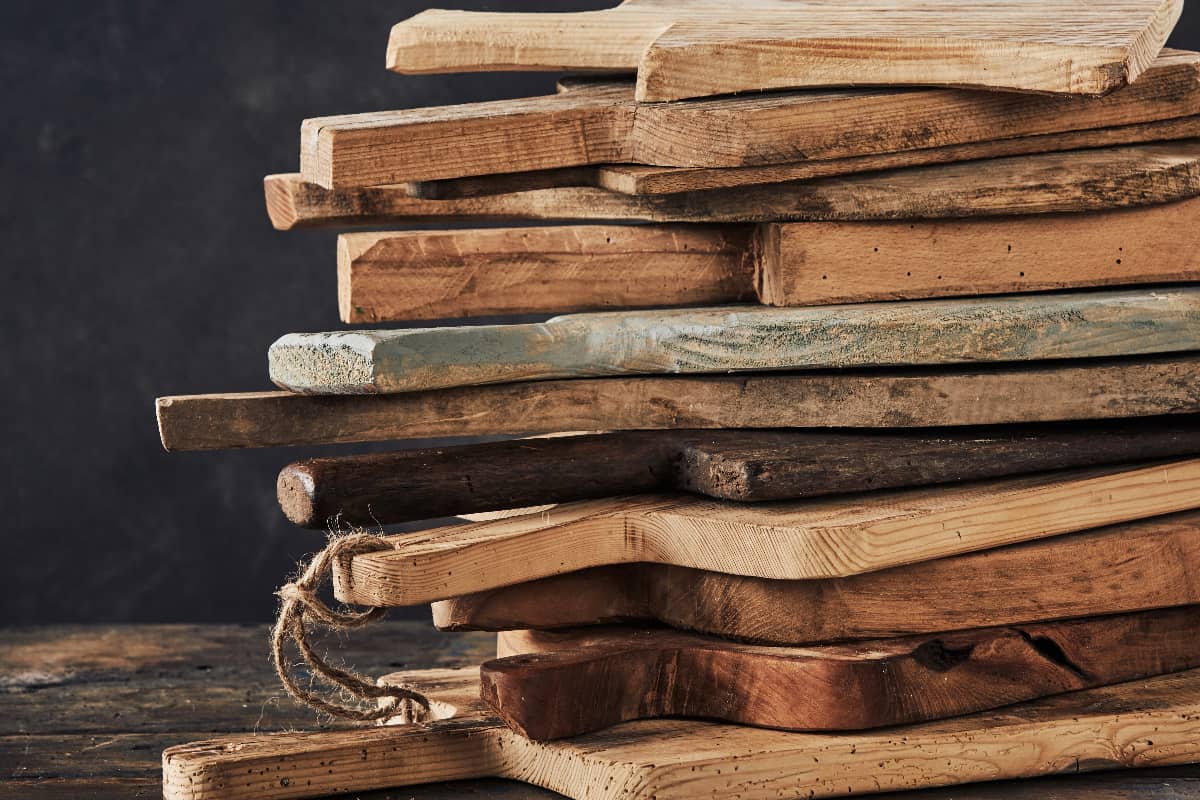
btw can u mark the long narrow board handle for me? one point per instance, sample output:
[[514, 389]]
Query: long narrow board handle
[[1132, 567], [734, 339], [747, 466], [822, 538], [553, 686]]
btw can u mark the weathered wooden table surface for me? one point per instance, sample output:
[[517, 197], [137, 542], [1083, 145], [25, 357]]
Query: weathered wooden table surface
[[86, 711]]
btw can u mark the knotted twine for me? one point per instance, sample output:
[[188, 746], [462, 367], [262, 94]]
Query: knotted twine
[[300, 605]]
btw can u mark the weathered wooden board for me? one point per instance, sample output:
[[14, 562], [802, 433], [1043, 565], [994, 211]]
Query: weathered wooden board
[[562, 684], [819, 538], [744, 465], [418, 275], [1081, 180], [1104, 389], [641, 179], [695, 48], [743, 338], [600, 123], [1151, 722], [1130, 567]]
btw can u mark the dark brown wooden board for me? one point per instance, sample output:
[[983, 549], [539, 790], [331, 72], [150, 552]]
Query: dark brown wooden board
[[748, 466], [558, 685], [1131, 567]]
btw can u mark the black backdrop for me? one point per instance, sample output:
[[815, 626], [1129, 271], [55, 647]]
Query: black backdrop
[[138, 261]]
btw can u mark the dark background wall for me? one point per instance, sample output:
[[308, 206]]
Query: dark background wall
[[138, 261]]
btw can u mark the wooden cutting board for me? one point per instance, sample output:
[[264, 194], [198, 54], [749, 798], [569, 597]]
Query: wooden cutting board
[[598, 122], [1152, 722], [748, 466], [399, 276], [558, 685], [743, 338], [820, 538], [693, 48], [1130, 567], [1082, 180], [641, 179], [844, 399]]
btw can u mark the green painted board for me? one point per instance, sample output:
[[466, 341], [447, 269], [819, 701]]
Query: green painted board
[[743, 338]]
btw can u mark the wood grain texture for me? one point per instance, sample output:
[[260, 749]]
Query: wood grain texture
[[601, 123], [744, 465], [1151, 722], [409, 275], [1130, 567], [742, 338], [419, 275], [819, 538], [694, 48], [562, 684], [845, 399], [1082, 180]]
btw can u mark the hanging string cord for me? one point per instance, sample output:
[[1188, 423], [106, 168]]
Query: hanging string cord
[[300, 605]]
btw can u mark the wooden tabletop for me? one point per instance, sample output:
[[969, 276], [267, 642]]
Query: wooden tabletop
[[85, 712]]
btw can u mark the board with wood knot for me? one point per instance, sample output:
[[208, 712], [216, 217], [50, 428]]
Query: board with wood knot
[[401, 276], [1145, 723], [745, 465], [1081, 180], [1130, 567], [743, 338], [693, 48], [820, 538], [554, 685]]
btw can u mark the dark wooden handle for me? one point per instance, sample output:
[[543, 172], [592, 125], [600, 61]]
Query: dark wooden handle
[[576, 683]]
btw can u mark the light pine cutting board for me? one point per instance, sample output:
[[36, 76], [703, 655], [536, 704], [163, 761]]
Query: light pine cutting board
[[689, 48]]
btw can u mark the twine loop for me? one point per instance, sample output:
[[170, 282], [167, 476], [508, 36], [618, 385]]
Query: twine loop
[[301, 605]]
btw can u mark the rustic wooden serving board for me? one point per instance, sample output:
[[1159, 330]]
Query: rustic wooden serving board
[[1130, 567], [693, 48], [415, 275], [598, 122], [743, 338], [1152, 722], [820, 538], [563, 684], [743, 465], [1093, 389], [1081, 180]]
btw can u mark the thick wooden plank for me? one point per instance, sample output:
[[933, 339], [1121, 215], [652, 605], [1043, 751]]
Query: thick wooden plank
[[562, 684], [1145, 723], [744, 465], [1131, 567], [845, 399], [820, 538], [418, 275], [694, 48], [1081, 180], [600, 123], [747, 338]]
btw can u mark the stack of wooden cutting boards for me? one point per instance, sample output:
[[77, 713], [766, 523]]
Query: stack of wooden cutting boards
[[887, 415]]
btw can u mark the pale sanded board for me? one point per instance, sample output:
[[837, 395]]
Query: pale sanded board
[[599, 123], [1153, 722], [401, 276], [1081, 180], [738, 339], [692, 48], [820, 538], [843, 399]]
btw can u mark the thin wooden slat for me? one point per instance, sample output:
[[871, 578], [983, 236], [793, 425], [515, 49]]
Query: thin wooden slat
[[733, 338], [872, 399], [601, 123], [691, 48], [820, 538]]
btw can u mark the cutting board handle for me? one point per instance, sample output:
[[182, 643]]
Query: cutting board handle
[[287, 766]]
